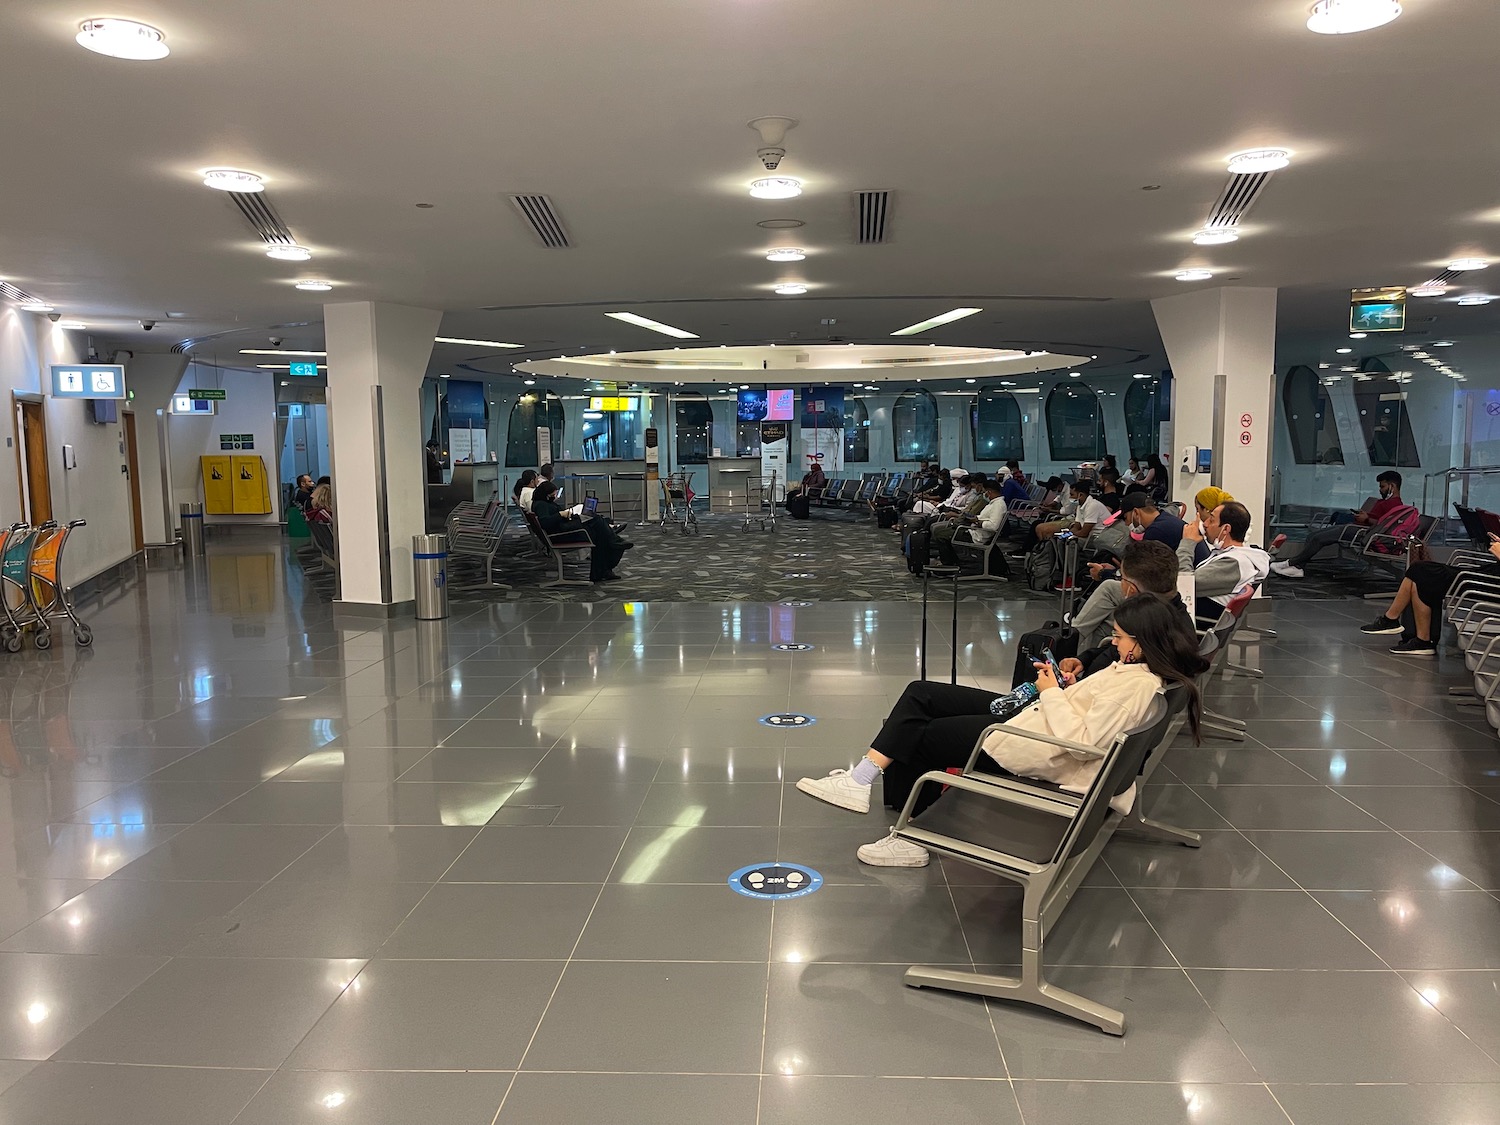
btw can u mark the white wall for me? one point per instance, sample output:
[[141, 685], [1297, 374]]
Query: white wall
[[249, 408]]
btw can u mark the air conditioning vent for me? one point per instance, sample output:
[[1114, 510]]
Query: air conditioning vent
[[20, 296], [263, 218], [872, 216], [1238, 196], [539, 214]]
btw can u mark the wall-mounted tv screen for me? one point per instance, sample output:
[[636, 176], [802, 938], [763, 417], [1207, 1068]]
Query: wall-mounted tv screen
[[766, 405], [104, 411]]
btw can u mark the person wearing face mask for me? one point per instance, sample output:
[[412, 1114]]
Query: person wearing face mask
[[1389, 483], [1230, 563]]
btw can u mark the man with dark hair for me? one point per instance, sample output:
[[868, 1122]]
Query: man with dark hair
[[1146, 567], [1155, 525], [1389, 484], [982, 528], [1230, 563]]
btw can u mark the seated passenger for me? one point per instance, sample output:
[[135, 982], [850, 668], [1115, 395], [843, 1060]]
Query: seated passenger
[[320, 507], [1081, 514], [1230, 562], [1015, 490], [1389, 484], [981, 529], [303, 496], [608, 547], [1109, 488], [933, 726], [1423, 588], [524, 488], [1145, 568], [1152, 523], [925, 511]]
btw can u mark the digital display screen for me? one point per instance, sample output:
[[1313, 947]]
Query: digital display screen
[[617, 405], [766, 405]]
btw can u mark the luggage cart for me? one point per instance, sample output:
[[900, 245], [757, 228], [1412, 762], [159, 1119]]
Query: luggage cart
[[760, 502], [49, 600], [677, 502], [15, 588]]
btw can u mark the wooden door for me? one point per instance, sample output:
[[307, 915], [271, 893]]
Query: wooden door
[[137, 528], [38, 481]]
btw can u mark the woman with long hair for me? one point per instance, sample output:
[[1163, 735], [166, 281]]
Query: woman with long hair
[[1154, 476], [524, 487], [320, 507], [1156, 648]]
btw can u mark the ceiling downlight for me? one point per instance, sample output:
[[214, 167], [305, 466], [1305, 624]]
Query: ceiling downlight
[[1345, 17], [233, 179], [1253, 160], [122, 39], [775, 187]]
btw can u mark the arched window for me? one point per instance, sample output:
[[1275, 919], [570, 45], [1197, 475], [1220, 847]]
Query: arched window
[[995, 422], [1384, 417], [1148, 403], [1075, 424], [914, 426], [694, 421], [1307, 412], [857, 432], [532, 410]]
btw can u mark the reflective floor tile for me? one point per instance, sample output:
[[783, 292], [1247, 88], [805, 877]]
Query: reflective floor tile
[[585, 803], [1390, 1105], [538, 855], [1472, 767], [1471, 999], [1365, 767], [306, 802], [690, 855], [162, 802], [1287, 807], [730, 804], [1423, 929], [87, 851], [474, 763], [468, 803], [1181, 806], [380, 731], [23, 901], [830, 851], [1349, 1027], [870, 924], [704, 1019], [649, 922], [47, 999], [1224, 859], [132, 918], [494, 734], [215, 1012], [295, 1097], [95, 1094], [1213, 766], [1251, 930], [494, 920], [432, 1015], [1429, 808], [861, 1020], [1170, 1033], [1303, 734], [290, 918], [382, 854], [1168, 1103], [631, 1099], [1474, 855], [225, 851], [223, 762], [1426, 734], [817, 1100], [1102, 926], [1355, 861]]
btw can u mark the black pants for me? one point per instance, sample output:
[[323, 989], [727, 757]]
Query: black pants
[[932, 727], [608, 549]]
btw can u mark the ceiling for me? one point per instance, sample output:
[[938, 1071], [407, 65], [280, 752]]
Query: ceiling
[[1017, 139]]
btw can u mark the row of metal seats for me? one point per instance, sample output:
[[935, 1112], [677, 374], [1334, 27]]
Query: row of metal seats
[[1472, 607], [865, 490], [319, 559]]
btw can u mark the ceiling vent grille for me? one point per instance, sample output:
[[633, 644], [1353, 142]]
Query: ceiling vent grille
[[539, 214], [263, 218], [1238, 196], [872, 216], [18, 295]]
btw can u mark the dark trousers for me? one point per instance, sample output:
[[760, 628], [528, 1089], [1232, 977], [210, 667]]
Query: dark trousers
[[1316, 541], [608, 549], [933, 726]]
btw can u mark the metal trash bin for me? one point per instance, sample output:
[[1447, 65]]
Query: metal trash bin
[[429, 561], [190, 517]]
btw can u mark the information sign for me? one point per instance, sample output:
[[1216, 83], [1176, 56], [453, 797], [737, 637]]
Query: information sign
[[88, 380], [207, 394], [303, 369]]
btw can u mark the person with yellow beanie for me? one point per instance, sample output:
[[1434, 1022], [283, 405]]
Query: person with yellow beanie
[[1208, 499]]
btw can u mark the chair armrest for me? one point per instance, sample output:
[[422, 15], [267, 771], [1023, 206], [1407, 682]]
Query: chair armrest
[[1031, 798], [1018, 732]]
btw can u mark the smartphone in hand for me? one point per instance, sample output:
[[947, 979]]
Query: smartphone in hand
[[1056, 668]]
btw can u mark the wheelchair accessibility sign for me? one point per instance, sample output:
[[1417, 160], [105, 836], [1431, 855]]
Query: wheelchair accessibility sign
[[775, 880]]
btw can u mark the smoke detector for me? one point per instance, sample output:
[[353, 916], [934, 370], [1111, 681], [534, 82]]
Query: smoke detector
[[772, 132]]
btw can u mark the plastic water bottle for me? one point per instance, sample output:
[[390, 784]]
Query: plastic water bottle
[[1020, 697]]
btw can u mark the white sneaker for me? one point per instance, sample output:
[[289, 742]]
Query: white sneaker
[[1287, 570], [893, 852], [838, 788]]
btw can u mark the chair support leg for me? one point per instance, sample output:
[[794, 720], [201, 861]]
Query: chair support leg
[[1215, 730], [1028, 988], [1223, 720], [1138, 827], [1246, 670]]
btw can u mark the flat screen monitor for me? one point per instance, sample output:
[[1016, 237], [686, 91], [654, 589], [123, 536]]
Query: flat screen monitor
[[105, 411], [766, 405]]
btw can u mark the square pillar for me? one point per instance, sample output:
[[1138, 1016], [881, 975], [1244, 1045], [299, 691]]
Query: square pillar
[[377, 356]]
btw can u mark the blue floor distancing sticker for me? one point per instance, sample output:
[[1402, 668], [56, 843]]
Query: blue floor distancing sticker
[[787, 719], [775, 880]]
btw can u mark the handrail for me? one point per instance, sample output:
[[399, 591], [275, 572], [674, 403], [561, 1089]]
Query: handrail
[[1449, 475]]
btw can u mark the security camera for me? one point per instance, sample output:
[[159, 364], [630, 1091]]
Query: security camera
[[54, 317], [276, 341], [148, 325], [771, 157]]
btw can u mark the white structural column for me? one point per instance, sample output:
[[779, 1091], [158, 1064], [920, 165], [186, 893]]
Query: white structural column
[[153, 379], [377, 356], [1221, 345]]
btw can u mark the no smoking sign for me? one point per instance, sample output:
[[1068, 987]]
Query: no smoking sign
[[1246, 421], [1245, 438]]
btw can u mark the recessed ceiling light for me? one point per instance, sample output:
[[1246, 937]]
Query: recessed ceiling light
[[72, 324], [1258, 160], [1342, 17], [1072, 374], [232, 179], [445, 375], [968, 380], [776, 187], [1459, 265], [312, 285], [1216, 236], [529, 382], [1348, 369], [653, 325], [1442, 343], [1429, 290], [285, 383], [791, 289], [37, 307], [1140, 375], [1343, 351], [1475, 299], [1419, 355], [286, 252], [477, 343], [122, 39], [1358, 335], [786, 254], [943, 318], [1193, 275], [276, 351]]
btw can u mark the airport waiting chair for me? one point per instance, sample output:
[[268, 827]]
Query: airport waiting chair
[[560, 546]]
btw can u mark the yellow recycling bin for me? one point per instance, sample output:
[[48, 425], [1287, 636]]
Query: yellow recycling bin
[[252, 489], [218, 485]]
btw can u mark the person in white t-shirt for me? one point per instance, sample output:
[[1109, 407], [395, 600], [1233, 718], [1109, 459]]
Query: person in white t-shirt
[[1081, 514]]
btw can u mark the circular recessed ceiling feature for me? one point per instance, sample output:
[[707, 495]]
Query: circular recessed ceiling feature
[[289, 252], [1475, 299], [776, 187], [37, 307], [122, 39], [1193, 275], [232, 179], [1358, 335], [780, 224], [312, 285], [1344, 17], [791, 289], [1442, 343], [1216, 236], [1462, 265], [1432, 290], [76, 325], [786, 254], [1253, 160]]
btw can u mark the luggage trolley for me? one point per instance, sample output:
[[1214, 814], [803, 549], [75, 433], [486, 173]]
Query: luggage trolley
[[677, 502], [15, 583], [49, 600]]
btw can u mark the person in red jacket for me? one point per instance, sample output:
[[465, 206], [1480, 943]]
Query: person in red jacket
[[1389, 484]]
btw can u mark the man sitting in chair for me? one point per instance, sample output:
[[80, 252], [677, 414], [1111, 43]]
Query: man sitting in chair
[[1230, 563], [981, 529], [1389, 483]]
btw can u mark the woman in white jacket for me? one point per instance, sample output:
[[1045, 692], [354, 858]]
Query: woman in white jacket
[[1154, 647]]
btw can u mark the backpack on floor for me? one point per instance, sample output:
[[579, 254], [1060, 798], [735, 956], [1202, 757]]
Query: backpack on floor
[[1042, 571], [886, 516]]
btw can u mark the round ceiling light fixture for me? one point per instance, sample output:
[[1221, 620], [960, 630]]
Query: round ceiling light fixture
[[1193, 275], [1475, 299], [1216, 236], [122, 39], [1343, 351], [76, 325], [1463, 265], [791, 289], [312, 285], [37, 307], [786, 254], [289, 252], [780, 224], [1358, 335], [1430, 290], [1343, 17], [1258, 160], [232, 179], [776, 187]]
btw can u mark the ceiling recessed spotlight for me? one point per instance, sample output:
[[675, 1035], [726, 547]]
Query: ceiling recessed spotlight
[[1343, 351], [476, 343], [445, 375], [791, 289], [72, 324], [1140, 375], [1358, 335], [232, 179], [1419, 355], [1216, 236], [1322, 367], [776, 187], [289, 252], [1442, 343], [122, 39], [1343, 17], [1461, 265], [312, 285], [1073, 374], [530, 382], [1193, 275], [786, 254], [1258, 160], [1431, 289], [653, 325], [37, 307], [942, 318], [968, 380], [1475, 299]]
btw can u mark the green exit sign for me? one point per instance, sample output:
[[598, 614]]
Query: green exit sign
[[206, 394], [304, 368]]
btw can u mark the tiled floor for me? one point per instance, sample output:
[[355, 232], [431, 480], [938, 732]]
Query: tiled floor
[[260, 869]]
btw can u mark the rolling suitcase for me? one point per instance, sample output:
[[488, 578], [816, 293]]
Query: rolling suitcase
[[1060, 638]]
